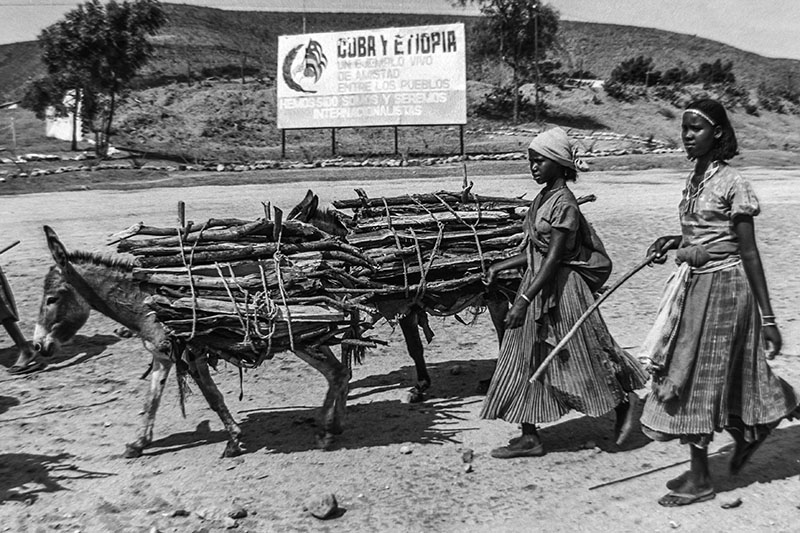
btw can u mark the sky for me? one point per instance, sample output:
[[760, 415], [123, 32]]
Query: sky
[[767, 27]]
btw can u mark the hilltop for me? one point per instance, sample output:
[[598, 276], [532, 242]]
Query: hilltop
[[209, 92]]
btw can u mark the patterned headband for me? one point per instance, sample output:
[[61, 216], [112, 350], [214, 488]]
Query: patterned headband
[[701, 115]]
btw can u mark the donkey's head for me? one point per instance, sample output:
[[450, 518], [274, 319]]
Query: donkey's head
[[62, 311], [325, 218]]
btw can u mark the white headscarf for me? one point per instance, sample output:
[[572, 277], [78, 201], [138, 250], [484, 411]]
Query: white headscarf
[[556, 145]]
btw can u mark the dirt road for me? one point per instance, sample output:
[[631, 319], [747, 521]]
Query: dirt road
[[62, 430]]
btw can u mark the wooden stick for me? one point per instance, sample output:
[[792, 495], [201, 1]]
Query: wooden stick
[[586, 314], [647, 472], [10, 246]]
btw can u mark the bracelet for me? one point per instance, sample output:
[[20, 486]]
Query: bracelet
[[524, 297], [769, 323]]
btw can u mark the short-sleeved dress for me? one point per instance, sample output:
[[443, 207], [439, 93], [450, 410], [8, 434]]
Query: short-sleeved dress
[[593, 374], [716, 362]]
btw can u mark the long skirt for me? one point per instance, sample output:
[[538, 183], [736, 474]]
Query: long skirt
[[593, 374], [730, 384]]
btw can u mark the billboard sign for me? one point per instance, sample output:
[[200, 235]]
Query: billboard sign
[[380, 77]]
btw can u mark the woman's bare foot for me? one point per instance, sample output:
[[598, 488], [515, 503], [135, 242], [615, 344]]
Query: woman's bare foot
[[676, 482], [522, 446]]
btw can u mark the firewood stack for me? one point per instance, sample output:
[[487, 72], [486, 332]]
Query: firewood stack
[[432, 250], [257, 287]]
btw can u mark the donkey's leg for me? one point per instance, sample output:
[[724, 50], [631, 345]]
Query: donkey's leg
[[198, 369], [334, 407], [497, 304], [158, 377], [409, 325]]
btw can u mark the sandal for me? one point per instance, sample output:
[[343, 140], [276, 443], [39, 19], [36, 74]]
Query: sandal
[[679, 499], [28, 368]]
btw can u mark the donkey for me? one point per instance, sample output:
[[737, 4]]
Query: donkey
[[337, 223], [83, 281]]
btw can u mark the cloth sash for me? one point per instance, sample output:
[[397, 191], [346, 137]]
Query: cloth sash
[[669, 350]]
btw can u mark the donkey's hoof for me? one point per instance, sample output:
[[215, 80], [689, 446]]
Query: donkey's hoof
[[132, 451], [414, 395], [233, 449], [325, 441]]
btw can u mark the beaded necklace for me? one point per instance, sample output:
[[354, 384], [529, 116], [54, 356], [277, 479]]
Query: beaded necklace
[[692, 192]]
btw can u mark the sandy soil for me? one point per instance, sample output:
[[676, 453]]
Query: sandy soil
[[62, 430]]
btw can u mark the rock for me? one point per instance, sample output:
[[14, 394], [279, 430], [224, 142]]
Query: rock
[[455, 370], [405, 450], [467, 468], [237, 512], [732, 504], [467, 455], [229, 523], [323, 506]]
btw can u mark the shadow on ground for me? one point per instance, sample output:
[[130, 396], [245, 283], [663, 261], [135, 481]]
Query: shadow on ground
[[78, 351], [778, 458], [449, 379], [23, 476]]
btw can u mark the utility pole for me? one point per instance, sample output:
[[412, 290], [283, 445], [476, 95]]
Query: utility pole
[[304, 17], [536, 59]]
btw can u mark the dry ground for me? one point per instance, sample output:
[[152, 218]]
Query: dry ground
[[62, 430]]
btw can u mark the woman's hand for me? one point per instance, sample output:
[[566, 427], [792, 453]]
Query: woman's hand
[[660, 247], [516, 315], [491, 275], [772, 337]]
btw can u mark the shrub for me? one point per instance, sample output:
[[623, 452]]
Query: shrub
[[716, 72], [499, 104], [638, 70], [619, 91]]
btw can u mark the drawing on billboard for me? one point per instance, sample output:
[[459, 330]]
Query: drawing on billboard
[[303, 66]]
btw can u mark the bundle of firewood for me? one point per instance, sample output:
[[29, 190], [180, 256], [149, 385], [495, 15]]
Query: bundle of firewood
[[432, 250], [248, 289]]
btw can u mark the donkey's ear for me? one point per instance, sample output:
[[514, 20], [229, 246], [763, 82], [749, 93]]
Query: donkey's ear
[[301, 208], [56, 248]]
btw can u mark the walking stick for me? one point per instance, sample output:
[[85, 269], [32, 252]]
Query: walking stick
[[585, 315], [10, 246]]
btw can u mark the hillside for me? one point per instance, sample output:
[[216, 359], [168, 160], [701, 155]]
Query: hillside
[[208, 92], [202, 42]]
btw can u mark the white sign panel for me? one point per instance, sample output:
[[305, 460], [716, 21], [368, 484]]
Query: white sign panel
[[382, 77]]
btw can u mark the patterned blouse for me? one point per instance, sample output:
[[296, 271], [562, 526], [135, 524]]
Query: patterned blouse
[[707, 212]]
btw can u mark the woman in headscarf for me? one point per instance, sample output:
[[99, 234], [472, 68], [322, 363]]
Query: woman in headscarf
[[565, 265], [707, 348]]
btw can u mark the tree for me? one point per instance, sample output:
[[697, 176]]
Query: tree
[[96, 51], [520, 32]]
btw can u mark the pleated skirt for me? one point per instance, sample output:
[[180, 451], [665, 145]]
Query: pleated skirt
[[730, 383], [593, 374]]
